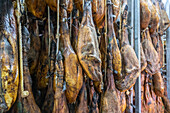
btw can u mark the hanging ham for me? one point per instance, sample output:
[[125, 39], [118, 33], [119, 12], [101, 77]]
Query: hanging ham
[[60, 102], [9, 73], [36, 7], [130, 69], [72, 68], [88, 48]]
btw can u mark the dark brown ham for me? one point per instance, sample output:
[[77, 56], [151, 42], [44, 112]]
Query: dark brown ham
[[35, 46], [158, 84], [88, 48], [73, 70], [93, 98], [60, 102], [150, 104], [79, 5], [166, 103], [49, 98], [110, 102], [82, 106], [117, 64], [130, 67], [164, 22], [36, 7], [98, 11], [9, 73], [157, 43], [27, 104], [151, 55], [145, 14], [103, 48], [75, 29], [53, 4], [154, 17], [43, 64]]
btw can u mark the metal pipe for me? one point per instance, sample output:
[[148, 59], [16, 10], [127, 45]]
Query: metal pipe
[[137, 50], [168, 51]]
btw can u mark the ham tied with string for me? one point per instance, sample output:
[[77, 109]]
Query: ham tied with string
[[98, 10], [88, 48], [151, 55], [73, 70], [130, 69], [60, 102], [28, 103], [110, 100]]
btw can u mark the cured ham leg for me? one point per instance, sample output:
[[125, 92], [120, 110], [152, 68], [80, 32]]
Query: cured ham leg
[[150, 54], [88, 48], [9, 73], [27, 104], [110, 102], [72, 68], [43, 64], [150, 105], [158, 84], [93, 98], [53, 4], [75, 29], [60, 102], [49, 98], [145, 14], [82, 106], [98, 10], [158, 45], [130, 67], [154, 17], [36, 7]]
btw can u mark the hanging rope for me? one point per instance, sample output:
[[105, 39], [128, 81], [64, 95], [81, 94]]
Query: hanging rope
[[49, 31], [23, 92]]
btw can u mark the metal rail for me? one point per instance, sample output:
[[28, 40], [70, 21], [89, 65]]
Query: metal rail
[[136, 28], [168, 51]]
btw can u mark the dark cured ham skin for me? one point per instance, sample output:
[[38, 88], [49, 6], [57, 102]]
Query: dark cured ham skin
[[9, 73], [73, 71], [60, 102], [27, 104], [88, 48], [36, 7], [151, 55], [130, 67]]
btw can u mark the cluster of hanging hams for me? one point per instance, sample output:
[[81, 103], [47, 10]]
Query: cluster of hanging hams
[[75, 57]]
